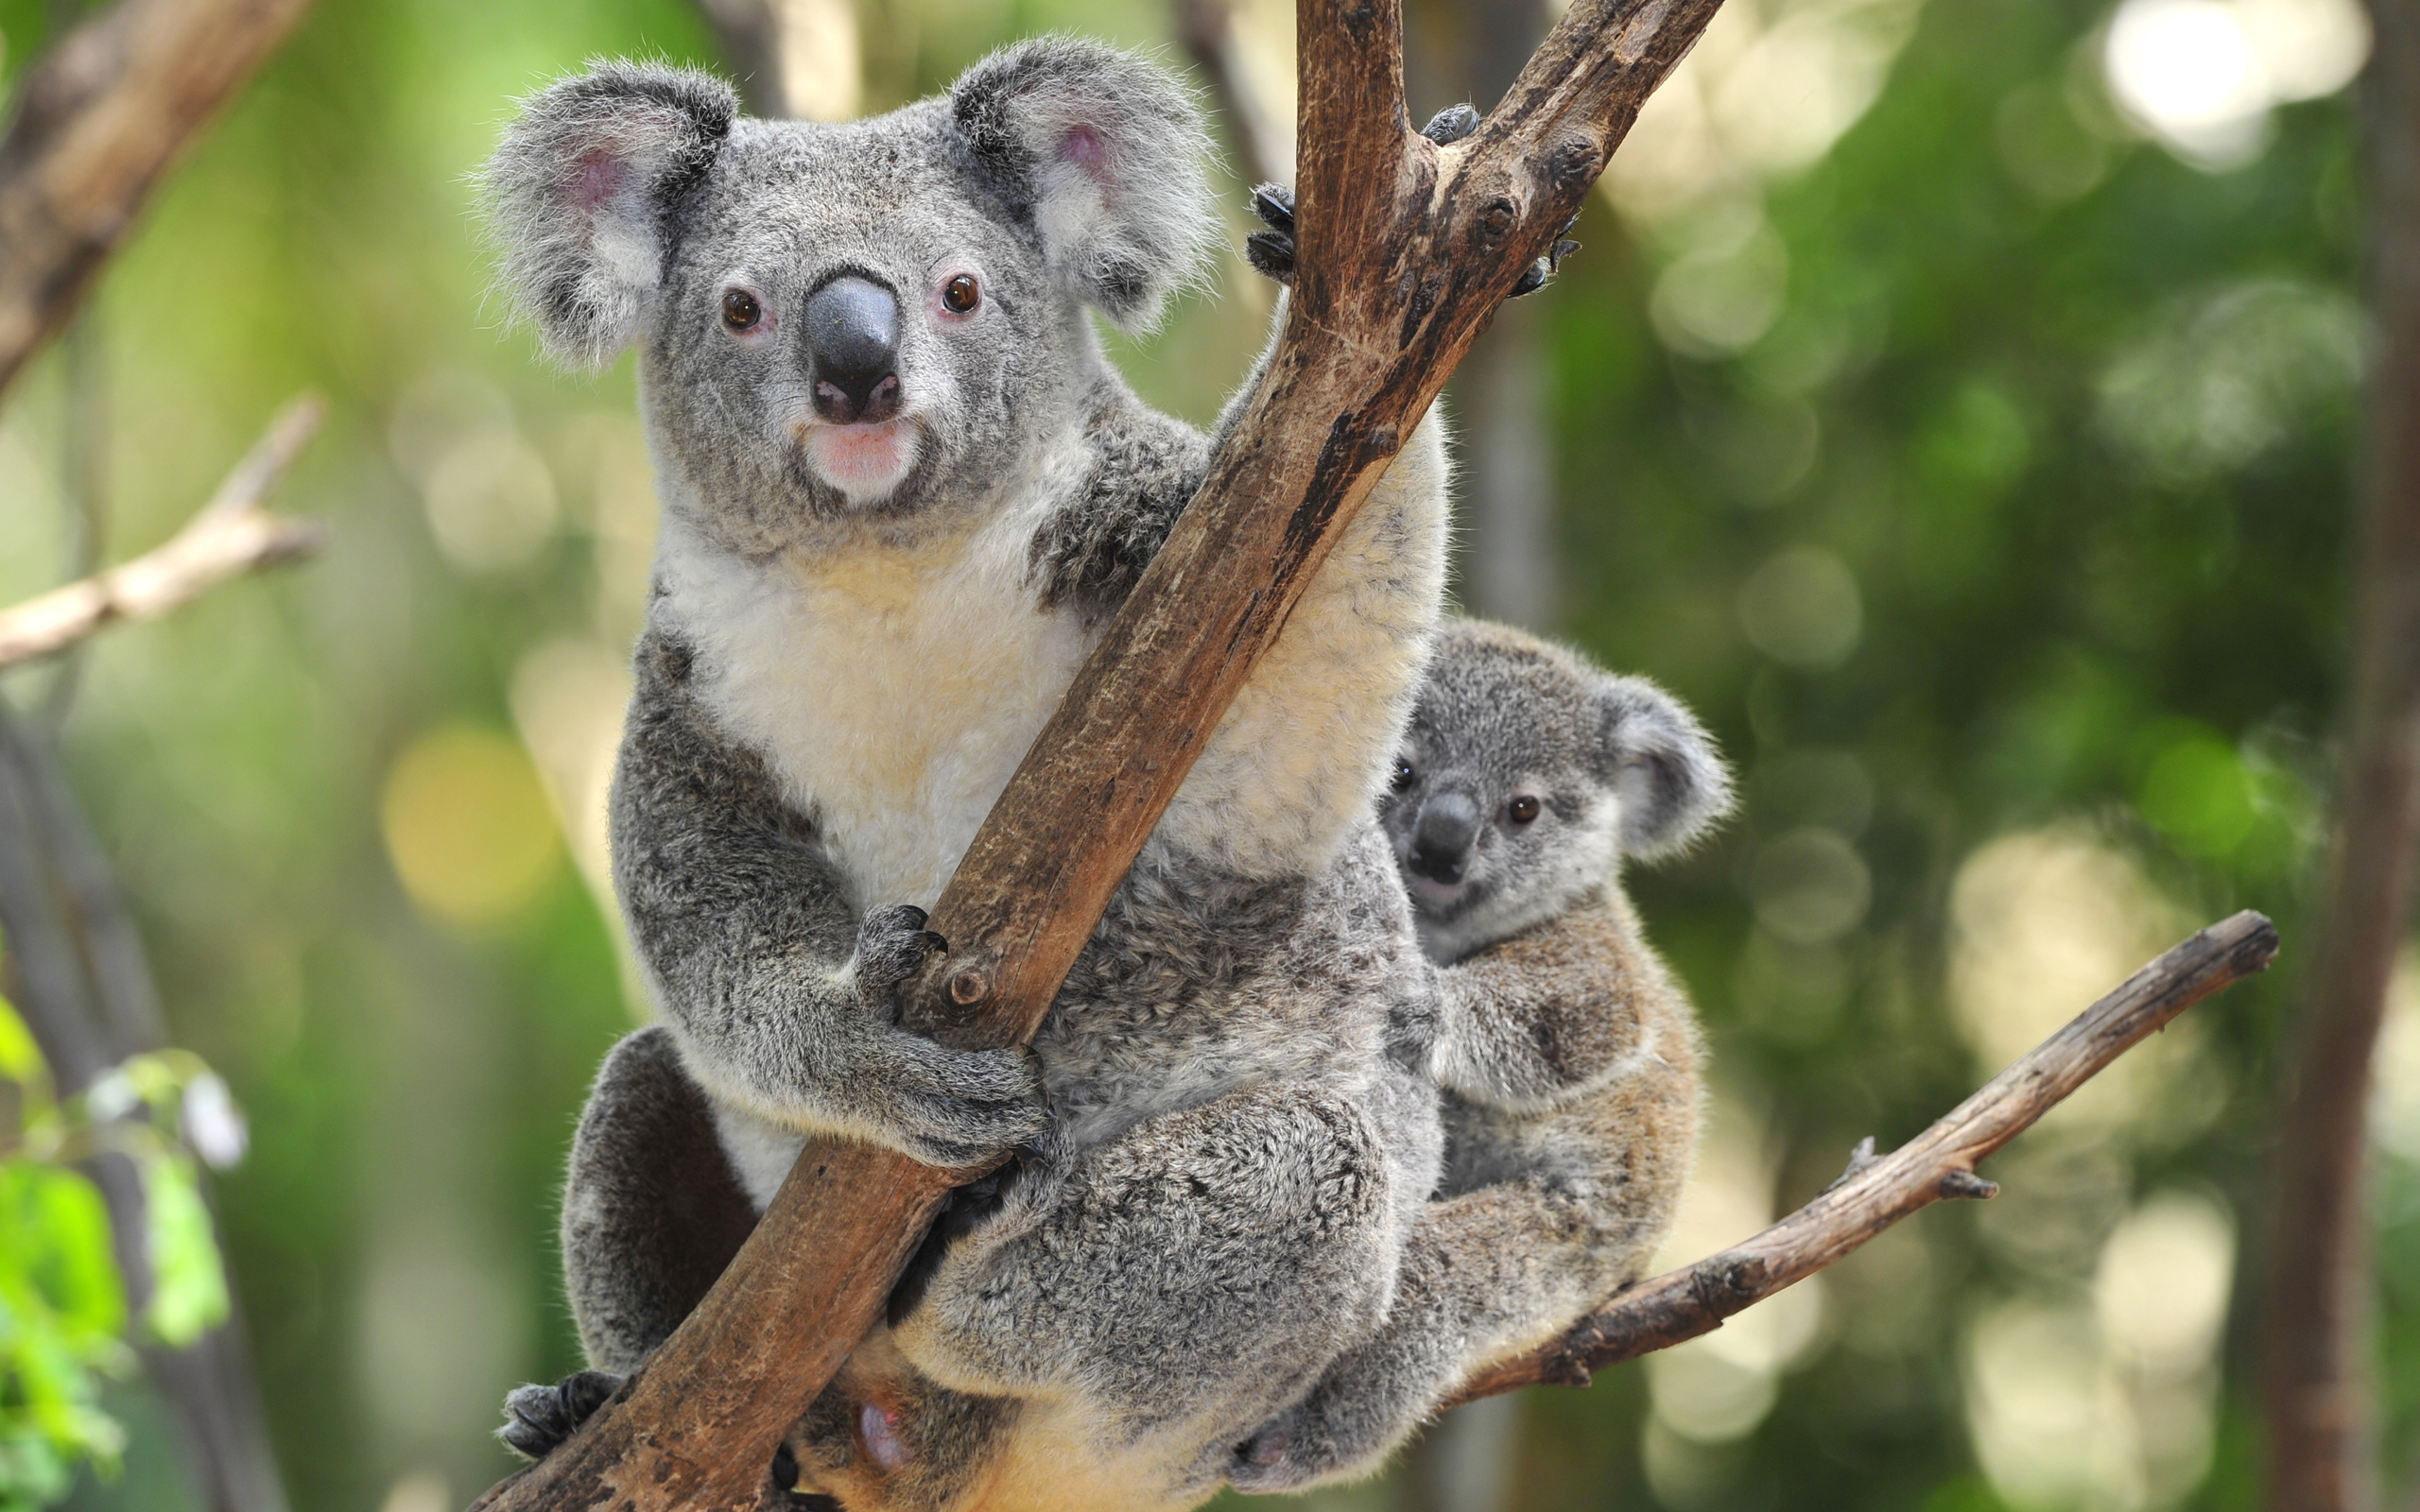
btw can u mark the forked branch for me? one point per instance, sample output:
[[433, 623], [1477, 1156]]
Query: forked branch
[[233, 535], [1405, 249], [1877, 1192]]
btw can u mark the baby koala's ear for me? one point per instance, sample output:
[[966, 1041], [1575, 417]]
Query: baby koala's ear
[[1103, 152], [1661, 764], [581, 194]]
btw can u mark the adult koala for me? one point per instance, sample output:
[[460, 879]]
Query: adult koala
[[902, 489]]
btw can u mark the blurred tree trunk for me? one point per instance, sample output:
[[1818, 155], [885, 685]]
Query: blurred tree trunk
[[77, 973], [2317, 1386], [1474, 49]]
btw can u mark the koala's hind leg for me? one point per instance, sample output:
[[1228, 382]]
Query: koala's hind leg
[[652, 1212], [1200, 1269], [1546, 1214]]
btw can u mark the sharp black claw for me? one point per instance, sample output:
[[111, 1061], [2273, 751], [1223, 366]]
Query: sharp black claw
[[1533, 278], [1451, 124], [1271, 254], [1274, 204]]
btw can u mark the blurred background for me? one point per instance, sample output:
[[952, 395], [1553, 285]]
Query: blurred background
[[1955, 403]]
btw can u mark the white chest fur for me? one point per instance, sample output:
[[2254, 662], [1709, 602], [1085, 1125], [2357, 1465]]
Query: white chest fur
[[892, 688]]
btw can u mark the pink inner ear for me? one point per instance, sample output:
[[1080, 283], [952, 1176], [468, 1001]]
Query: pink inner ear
[[1083, 147], [597, 180]]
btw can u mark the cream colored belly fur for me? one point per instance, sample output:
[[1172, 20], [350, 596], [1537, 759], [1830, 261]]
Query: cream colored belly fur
[[894, 688]]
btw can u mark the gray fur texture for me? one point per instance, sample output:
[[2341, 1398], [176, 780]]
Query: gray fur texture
[[1567, 1050], [857, 628]]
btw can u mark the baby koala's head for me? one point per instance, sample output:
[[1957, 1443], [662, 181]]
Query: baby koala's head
[[1527, 774]]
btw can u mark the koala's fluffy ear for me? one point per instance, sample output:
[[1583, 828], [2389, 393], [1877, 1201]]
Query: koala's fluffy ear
[[1661, 764], [581, 192], [1103, 152]]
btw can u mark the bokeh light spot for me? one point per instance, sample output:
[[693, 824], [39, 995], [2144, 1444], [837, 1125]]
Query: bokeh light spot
[[468, 827]]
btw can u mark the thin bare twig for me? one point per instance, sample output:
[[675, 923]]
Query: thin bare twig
[[99, 118], [231, 535], [1875, 1192]]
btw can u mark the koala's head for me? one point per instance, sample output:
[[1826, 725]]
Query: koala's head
[[861, 318], [1527, 774]]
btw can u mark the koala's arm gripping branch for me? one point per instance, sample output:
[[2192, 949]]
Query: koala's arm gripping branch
[[98, 119], [1405, 252], [1682, 1304]]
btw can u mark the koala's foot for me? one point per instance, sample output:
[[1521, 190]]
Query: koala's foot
[[1345, 1428], [1271, 252], [962, 1210], [536, 1418], [944, 1107]]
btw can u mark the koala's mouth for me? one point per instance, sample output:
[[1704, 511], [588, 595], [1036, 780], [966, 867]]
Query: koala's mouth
[[863, 461], [1440, 900]]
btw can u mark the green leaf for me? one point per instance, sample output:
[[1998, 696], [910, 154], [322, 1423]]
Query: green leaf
[[188, 1284]]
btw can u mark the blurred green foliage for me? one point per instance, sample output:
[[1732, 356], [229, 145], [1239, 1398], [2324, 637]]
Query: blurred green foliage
[[63, 1321], [1984, 479]]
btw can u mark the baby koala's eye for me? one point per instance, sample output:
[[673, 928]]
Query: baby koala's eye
[[1403, 776], [960, 295], [740, 311], [1523, 809]]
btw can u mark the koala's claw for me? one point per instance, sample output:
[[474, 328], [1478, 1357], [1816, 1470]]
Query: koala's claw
[[1533, 278], [893, 944], [1451, 124], [536, 1418], [1271, 252]]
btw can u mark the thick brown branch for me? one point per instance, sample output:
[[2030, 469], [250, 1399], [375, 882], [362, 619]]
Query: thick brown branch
[[98, 119], [1406, 252], [1877, 1192], [233, 535]]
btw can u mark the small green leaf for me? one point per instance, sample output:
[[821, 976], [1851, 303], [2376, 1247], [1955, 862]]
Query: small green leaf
[[188, 1284]]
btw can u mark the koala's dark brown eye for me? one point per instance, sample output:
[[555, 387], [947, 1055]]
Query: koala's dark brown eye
[[960, 295], [1403, 776], [1523, 809], [740, 311]]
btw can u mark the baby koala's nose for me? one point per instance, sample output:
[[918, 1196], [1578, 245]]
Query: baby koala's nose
[[1440, 844], [853, 346]]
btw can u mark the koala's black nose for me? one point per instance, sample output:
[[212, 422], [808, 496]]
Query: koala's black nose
[[1440, 843], [852, 342]]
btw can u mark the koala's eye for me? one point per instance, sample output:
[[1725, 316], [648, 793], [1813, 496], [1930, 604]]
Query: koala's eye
[[960, 295], [1403, 776], [1523, 809], [740, 311]]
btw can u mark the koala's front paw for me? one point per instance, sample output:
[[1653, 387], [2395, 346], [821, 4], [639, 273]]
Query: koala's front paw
[[944, 1106], [1271, 252], [536, 1418]]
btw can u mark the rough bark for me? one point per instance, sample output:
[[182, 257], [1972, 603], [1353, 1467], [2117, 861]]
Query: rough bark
[[1875, 1192], [98, 120], [2317, 1367], [1406, 250], [233, 535]]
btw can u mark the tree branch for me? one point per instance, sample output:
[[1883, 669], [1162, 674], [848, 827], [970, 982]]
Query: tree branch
[[2316, 1366], [1875, 1192], [1407, 249], [99, 118], [233, 535]]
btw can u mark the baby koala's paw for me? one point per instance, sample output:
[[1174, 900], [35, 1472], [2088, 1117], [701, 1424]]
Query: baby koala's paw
[[1271, 251], [944, 1106], [536, 1418]]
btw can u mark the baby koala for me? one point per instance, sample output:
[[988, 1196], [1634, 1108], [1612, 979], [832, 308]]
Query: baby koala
[[1565, 1051]]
